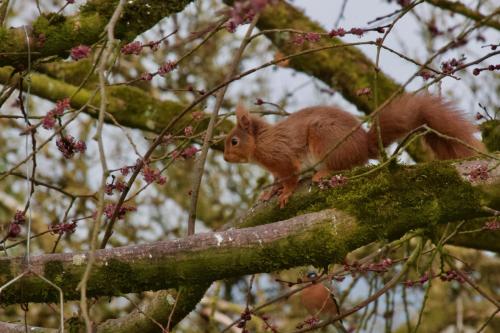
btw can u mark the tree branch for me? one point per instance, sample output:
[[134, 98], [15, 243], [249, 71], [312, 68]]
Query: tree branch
[[383, 205], [130, 106], [55, 35], [460, 8]]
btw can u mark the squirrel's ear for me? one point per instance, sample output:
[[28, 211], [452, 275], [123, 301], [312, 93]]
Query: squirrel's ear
[[243, 117]]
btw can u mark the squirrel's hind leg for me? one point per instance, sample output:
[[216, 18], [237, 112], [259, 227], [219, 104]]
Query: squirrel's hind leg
[[268, 194]]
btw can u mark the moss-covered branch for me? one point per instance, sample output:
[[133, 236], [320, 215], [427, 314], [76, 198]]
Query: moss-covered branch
[[387, 193], [384, 205], [55, 35], [130, 106], [460, 8]]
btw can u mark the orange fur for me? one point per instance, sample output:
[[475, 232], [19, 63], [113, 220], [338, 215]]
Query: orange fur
[[306, 136]]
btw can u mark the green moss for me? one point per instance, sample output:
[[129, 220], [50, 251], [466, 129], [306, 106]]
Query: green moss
[[63, 34], [491, 134], [5, 273], [386, 201], [3, 34], [418, 196], [75, 325], [114, 276], [54, 271], [137, 15], [73, 72]]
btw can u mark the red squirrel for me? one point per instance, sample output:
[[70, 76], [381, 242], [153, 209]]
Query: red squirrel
[[306, 136]]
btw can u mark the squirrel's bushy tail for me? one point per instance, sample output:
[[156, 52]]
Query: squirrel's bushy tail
[[409, 112]]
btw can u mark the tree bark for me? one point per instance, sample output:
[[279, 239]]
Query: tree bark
[[55, 34], [383, 205]]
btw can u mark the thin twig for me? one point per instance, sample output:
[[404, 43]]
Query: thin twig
[[200, 162], [170, 316], [82, 286]]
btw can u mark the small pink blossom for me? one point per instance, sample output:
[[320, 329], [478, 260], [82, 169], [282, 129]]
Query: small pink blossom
[[479, 172], [80, 146], [19, 217], [150, 174], [197, 115], [188, 131], [48, 122], [124, 170], [14, 230], [146, 76], [337, 180], [364, 91], [312, 37], [340, 32], [357, 31], [61, 106], [132, 48], [426, 75], [189, 152], [69, 146], [63, 228], [167, 67], [108, 189], [109, 210], [298, 39], [80, 52], [120, 185], [161, 180], [492, 225]]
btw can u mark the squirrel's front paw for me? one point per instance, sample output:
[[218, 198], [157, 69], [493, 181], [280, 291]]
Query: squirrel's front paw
[[318, 176], [267, 195], [283, 198]]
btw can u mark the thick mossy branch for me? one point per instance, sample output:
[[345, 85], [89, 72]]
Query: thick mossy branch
[[460, 8], [130, 106], [197, 259], [384, 205], [55, 35], [430, 192]]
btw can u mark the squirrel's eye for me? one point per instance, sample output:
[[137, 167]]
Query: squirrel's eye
[[234, 141]]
